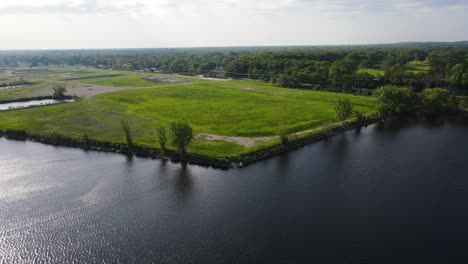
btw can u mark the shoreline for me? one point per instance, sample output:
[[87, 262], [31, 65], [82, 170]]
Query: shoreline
[[191, 158]]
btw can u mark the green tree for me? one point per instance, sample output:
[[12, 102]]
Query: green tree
[[343, 109], [394, 99], [288, 81], [127, 134], [359, 116], [182, 135], [437, 99], [59, 91], [161, 136]]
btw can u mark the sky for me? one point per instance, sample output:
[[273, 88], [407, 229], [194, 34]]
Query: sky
[[86, 24]]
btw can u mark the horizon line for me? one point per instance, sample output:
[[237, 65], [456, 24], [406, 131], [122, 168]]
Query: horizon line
[[244, 46]]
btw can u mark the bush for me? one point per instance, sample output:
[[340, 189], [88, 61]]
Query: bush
[[161, 136], [463, 103], [16, 133], [85, 138], [343, 109], [360, 117], [55, 138], [284, 137]]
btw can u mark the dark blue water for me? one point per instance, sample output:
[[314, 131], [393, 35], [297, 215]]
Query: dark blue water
[[396, 192]]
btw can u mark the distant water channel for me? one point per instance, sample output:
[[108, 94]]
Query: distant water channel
[[13, 86], [16, 105], [395, 192]]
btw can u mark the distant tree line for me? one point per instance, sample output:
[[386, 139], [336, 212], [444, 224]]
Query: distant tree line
[[328, 68]]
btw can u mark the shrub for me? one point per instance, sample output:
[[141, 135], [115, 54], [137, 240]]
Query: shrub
[[284, 137], [127, 134], [343, 109], [463, 103], [360, 116], [161, 136], [85, 138]]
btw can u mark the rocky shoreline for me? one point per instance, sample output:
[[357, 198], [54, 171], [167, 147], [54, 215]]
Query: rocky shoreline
[[202, 160]]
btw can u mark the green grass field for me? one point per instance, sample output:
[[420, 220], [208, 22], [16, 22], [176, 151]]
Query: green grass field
[[228, 108], [417, 67], [373, 72], [82, 78]]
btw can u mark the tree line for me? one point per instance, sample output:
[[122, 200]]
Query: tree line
[[328, 68]]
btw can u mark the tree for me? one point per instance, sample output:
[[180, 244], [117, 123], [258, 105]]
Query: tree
[[288, 81], [182, 135], [127, 134], [161, 136], [394, 99], [437, 100], [59, 91], [343, 109]]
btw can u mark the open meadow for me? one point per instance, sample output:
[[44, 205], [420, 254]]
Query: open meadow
[[224, 114]]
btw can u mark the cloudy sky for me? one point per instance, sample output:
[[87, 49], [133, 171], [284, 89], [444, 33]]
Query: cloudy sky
[[65, 24]]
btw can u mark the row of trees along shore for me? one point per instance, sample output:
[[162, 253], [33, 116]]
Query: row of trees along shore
[[394, 100], [347, 69], [181, 134]]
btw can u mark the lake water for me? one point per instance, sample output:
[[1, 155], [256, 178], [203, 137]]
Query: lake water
[[395, 192], [14, 105]]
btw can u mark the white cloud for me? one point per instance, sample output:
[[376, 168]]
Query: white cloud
[[163, 23]]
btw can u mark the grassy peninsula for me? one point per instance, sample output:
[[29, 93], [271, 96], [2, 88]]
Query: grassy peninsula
[[229, 117]]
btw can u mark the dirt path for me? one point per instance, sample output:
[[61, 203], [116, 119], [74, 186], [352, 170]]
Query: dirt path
[[206, 78], [90, 90], [244, 141], [252, 141]]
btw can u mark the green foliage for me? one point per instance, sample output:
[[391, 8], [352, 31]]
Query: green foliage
[[230, 108], [161, 136], [284, 137], [394, 99], [463, 104], [182, 135], [127, 134], [418, 65], [373, 72], [437, 100], [343, 108], [359, 116], [59, 91], [289, 81]]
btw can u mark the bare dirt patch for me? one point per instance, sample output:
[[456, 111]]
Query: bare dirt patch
[[88, 77], [159, 79], [244, 141], [252, 141], [89, 90]]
